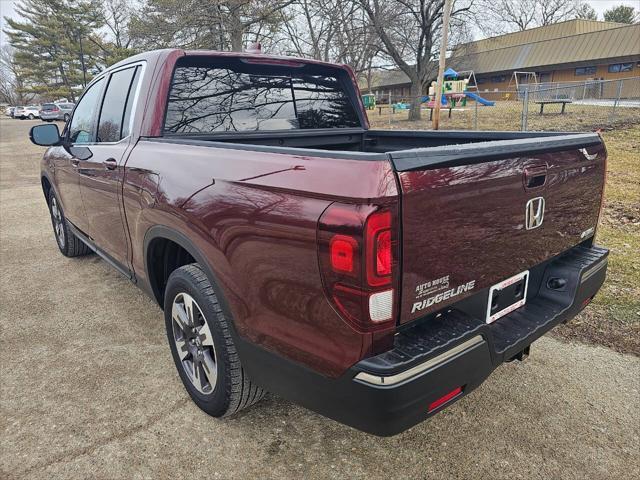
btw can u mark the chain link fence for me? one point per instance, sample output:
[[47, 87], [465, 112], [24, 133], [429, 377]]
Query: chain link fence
[[572, 106]]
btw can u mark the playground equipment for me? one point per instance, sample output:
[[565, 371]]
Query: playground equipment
[[369, 100], [479, 99], [456, 90], [523, 81]]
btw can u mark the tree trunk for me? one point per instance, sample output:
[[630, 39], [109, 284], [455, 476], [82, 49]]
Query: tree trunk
[[416, 100], [236, 39]]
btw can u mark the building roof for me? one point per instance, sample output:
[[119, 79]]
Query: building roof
[[548, 32], [569, 43], [386, 78], [619, 42]]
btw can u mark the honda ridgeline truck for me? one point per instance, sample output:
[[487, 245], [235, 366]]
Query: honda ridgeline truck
[[373, 276]]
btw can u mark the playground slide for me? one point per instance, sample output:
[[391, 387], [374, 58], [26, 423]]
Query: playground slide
[[479, 99]]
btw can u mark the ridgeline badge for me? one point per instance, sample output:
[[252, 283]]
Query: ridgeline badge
[[453, 292]]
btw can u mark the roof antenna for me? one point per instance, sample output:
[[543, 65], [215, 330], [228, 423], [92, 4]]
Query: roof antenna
[[255, 47]]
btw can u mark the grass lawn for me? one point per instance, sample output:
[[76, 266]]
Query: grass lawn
[[506, 115], [613, 318]]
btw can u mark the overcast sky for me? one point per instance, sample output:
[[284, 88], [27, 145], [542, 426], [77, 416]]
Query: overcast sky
[[7, 10]]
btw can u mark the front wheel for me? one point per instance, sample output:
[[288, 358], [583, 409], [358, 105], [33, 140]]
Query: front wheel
[[66, 117], [201, 345], [31, 116]]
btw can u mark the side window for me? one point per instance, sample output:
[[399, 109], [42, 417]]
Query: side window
[[112, 125], [84, 114], [130, 99]]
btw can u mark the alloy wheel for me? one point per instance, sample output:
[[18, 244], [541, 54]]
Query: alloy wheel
[[194, 343], [57, 221]]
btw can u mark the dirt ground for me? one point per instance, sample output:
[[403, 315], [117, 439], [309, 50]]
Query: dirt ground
[[89, 390]]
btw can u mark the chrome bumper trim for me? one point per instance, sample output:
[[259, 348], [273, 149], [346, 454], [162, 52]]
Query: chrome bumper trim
[[418, 369]]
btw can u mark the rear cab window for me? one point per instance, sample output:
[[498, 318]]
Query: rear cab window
[[210, 95]]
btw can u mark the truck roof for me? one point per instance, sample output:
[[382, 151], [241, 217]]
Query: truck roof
[[264, 58]]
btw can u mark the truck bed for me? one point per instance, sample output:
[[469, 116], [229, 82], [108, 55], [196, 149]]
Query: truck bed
[[407, 149], [463, 198]]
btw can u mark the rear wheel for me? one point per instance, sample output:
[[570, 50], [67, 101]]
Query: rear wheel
[[31, 116], [203, 350], [68, 243]]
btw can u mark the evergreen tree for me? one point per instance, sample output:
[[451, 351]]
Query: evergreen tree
[[621, 14], [56, 45]]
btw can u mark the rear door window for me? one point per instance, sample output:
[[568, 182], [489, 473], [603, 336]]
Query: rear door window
[[205, 99], [112, 125]]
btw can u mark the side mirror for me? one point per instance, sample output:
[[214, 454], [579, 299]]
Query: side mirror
[[45, 135]]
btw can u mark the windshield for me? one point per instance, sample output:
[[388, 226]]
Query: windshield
[[249, 97]]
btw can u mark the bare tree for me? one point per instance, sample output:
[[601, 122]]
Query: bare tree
[[12, 83], [586, 12], [330, 30], [504, 16], [409, 33], [216, 24], [116, 17]]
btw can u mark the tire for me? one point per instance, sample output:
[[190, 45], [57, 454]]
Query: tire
[[66, 117], [68, 243], [231, 391], [31, 116]]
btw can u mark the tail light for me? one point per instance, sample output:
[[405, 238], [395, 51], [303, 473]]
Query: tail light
[[358, 256]]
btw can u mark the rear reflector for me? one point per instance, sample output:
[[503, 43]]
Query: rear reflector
[[381, 306], [442, 400]]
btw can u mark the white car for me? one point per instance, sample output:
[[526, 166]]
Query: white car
[[30, 112]]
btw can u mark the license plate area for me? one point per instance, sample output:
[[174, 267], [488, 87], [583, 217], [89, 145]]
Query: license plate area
[[506, 296]]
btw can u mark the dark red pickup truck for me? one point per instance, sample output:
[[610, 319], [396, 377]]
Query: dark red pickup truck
[[372, 276]]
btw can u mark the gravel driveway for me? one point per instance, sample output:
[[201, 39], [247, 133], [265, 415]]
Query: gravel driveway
[[89, 389]]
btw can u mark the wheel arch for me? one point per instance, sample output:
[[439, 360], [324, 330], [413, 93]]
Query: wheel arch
[[158, 234], [47, 185]]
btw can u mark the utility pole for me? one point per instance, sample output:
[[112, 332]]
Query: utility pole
[[443, 53]]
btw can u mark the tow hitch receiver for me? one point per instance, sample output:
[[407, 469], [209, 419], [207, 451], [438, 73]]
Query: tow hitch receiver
[[521, 355]]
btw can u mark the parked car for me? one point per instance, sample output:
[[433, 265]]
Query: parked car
[[373, 276], [30, 112], [56, 111]]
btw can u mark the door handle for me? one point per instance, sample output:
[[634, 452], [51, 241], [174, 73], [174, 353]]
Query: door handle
[[535, 177], [110, 164]]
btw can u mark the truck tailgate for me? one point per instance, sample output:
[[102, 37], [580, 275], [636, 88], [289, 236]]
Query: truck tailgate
[[464, 212]]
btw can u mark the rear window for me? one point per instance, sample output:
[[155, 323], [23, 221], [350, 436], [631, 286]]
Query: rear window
[[249, 97], [49, 106]]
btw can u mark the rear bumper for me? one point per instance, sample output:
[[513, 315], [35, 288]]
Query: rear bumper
[[391, 392], [51, 116]]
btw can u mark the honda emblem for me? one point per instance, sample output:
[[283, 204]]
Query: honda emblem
[[534, 213]]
